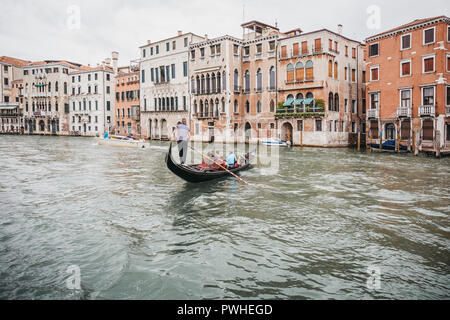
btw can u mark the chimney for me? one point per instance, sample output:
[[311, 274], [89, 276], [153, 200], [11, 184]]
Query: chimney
[[340, 29], [180, 32], [206, 37], [108, 61], [149, 41], [115, 61]]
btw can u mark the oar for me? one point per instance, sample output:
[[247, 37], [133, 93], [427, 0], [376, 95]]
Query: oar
[[234, 175]]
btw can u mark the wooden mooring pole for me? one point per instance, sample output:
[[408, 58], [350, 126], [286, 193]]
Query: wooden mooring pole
[[359, 141]]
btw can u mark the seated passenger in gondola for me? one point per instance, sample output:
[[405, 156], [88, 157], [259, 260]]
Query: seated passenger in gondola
[[232, 160]]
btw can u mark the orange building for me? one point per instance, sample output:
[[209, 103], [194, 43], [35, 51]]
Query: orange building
[[127, 111], [408, 89]]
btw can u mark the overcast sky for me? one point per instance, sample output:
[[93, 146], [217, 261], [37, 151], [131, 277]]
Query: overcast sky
[[46, 29]]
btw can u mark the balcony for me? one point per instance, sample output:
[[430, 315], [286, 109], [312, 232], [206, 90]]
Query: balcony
[[258, 56], [404, 112], [246, 58], [373, 114], [300, 111], [447, 111], [427, 111], [271, 54], [207, 115], [135, 117], [237, 89]]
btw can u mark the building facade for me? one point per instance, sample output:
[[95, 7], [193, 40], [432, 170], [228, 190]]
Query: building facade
[[164, 85], [127, 110], [408, 87], [91, 103], [233, 85], [11, 94], [46, 97], [321, 98]]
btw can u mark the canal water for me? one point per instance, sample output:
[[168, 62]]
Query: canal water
[[133, 230]]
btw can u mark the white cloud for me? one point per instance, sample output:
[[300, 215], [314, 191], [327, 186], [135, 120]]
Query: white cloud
[[38, 30]]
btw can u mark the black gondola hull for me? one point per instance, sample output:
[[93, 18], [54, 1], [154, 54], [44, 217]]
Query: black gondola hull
[[190, 175]]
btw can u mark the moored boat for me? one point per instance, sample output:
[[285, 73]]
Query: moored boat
[[121, 141], [276, 142], [191, 173]]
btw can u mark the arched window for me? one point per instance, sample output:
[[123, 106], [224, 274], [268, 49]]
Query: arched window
[[224, 81], [163, 104], [299, 100], [236, 80], [290, 72], [335, 70], [336, 102], [258, 107], [236, 106], [223, 104], [218, 83], [272, 78], [247, 81], [299, 71], [217, 108], [330, 101], [309, 101], [193, 85], [330, 68], [259, 80], [195, 107], [206, 108], [213, 83], [198, 85], [272, 106], [172, 104], [201, 108], [208, 84], [65, 87], [202, 86], [309, 68], [211, 112], [247, 106], [49, 87]]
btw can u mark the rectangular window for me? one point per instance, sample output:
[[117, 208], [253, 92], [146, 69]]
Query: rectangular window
[[271, 45], [184, 102], [259, 48], [283, 52], [185, 69], [151, 51], [167, 73], [405, 98], [373, 50], [185, 42], [374, 99], [405, 68], [448, 96], [405, 42], [374, 76], [299, 125], [318, 45], [428, 96], [353, 75], [246, 51], [330, 44], [346, 51], [152, 74], [428, 64], [354, 53], [236, 49], [318, 125], [143, 76], [143, 53], [157, 49], [353, 106], [108, 106], [428, 36], [304, 47], [174, 45], [448, 63], [173, 71], [167, 46]]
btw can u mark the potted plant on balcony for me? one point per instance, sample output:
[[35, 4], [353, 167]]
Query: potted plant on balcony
[[320, 105]]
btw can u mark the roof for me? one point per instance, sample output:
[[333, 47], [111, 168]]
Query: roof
[[415, 22], [259, 24], [167, 39], [63, 62], [83, 69], [14, 61], [318, 31]]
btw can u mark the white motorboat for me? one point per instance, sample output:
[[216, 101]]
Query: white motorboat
[[276, 142], [121, 141]]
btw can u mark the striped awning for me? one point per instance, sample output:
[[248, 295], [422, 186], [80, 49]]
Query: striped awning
[[288, 102], [298, 102], [308, 101]]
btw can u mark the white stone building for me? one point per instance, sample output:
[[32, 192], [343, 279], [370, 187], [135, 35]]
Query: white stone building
[[46, 96], [91, 102], [164, 84]]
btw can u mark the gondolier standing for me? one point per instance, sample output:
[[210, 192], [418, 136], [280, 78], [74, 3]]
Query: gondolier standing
[[182, 135]]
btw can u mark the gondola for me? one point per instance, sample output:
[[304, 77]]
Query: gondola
[[190, 173]]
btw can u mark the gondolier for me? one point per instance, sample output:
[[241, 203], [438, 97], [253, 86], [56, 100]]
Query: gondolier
[[182, 136]]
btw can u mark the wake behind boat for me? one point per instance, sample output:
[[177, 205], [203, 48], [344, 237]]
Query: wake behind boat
[[122, 141], [192, 173]]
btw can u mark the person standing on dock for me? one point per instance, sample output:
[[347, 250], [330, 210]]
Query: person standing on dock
[[182, 135]]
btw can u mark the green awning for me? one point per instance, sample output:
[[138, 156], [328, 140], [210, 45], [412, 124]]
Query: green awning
[[308, 101], [298, 102], [288, 102]]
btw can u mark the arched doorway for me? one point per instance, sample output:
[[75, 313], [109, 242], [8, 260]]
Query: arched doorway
[[150, 129], [164, 133], [390, 131], [30, 126], [41, 125], [156, 129], [53, 127], [286, 132], [248, 132]]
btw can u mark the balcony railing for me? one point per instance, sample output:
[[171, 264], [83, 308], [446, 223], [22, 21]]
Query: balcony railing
[[425, 111], [207, 115], [373, 114], [237, 89], [300, 111], [246, 58], [271, 54], [258, 56], [404, 112]]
